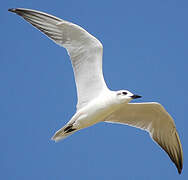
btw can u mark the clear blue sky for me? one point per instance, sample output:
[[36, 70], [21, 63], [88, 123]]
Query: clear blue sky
[[145, 51]]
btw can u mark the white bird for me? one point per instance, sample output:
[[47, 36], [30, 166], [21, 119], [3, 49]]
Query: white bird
[[96, 103]]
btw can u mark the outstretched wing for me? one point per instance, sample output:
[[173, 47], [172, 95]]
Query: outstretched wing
[[153, 118], [84, 50]]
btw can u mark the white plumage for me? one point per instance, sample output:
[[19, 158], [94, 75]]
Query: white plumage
[[96, 102]]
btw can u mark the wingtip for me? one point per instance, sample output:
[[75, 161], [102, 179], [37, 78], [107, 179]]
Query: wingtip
[[180, 167], [12, 10], [179, 164]]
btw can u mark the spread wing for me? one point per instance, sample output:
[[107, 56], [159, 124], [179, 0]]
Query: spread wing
[[153, 118], [84, 50]]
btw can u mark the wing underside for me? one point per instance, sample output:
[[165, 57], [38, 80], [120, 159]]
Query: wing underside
[[153, 118], [84, 50]]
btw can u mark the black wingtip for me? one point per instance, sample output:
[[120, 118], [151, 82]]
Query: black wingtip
[[180, 168], [16, 10], [12, 10]]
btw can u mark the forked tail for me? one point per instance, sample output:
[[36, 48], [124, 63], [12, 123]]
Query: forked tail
[[64, 132]]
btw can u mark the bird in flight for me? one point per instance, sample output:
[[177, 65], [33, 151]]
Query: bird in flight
[[96, 103]]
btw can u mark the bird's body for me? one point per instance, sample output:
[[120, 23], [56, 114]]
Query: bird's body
[[96, 111], [96, 103]]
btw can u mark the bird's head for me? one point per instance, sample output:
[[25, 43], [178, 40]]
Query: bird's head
[[124, 96]]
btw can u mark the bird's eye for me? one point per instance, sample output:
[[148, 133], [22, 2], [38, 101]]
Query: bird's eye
[[124, 93]]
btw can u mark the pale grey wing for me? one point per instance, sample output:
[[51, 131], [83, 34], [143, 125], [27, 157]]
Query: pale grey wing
[[84, 49], [153, 118]]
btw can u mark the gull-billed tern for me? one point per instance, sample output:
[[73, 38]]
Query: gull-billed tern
[[96, 103]]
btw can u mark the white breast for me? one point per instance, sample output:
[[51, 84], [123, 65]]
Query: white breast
[[96, 111]]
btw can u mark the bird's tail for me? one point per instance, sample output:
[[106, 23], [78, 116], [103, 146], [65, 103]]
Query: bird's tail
[[64, 132]]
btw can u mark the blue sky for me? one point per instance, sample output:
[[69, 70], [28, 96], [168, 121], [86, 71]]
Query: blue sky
[[145, 51]]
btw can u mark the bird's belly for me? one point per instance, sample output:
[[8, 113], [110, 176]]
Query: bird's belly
[[94, 115]]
